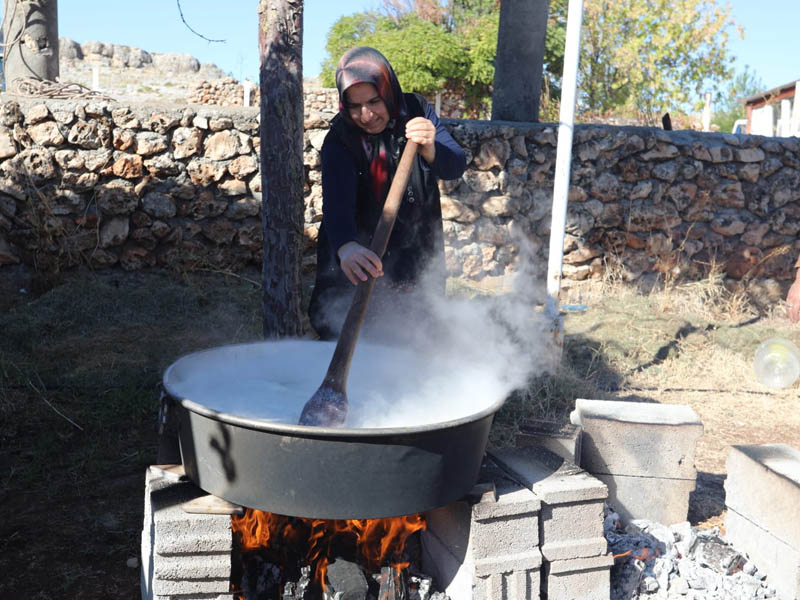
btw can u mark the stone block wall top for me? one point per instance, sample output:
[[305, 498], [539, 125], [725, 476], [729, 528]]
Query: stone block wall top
[[763, 485]]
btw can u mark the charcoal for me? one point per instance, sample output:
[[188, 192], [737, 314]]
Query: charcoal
[[346, 580], [392, 584], [718, 555], [419, 587], [261, 580]]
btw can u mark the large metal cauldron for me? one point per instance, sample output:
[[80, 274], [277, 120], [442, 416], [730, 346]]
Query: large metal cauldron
[[325, 473]]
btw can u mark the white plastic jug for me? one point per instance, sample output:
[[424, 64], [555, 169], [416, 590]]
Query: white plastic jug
[[777, 363]]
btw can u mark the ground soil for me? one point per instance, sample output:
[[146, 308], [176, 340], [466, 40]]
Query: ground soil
[[81, 355]]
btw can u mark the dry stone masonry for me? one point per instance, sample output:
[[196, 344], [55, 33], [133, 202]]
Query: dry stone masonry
[[136, 186]]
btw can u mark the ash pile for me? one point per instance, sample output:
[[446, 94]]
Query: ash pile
[[678, 562]]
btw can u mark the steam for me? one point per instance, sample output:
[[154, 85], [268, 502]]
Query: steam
[[422, 358], [468, 353]]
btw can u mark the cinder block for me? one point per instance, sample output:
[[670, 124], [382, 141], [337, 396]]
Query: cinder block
[[184, 556], [571, 517], [763, 485], [570, 549], [563, 439], [637, 438], [585, 578], [773, 556], [509, 563], [572, 521], [190, 567], [178, 532], [662, 500], [551, 478], [193, 588], [518, 585]]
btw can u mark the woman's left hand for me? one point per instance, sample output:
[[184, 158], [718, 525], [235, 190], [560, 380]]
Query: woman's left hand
[[423, 132]]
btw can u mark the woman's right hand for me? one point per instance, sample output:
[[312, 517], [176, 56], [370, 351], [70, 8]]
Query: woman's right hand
[[358, 262]]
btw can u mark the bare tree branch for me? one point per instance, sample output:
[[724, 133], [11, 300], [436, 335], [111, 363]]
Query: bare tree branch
[[180, 10]]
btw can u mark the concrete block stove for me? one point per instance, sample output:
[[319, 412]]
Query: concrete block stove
[[531, 528]]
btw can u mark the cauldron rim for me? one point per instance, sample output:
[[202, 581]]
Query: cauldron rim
[[308, 431]]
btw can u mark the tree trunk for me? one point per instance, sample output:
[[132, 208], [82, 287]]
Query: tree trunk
[[280, 40], [519, 62], [30, 28]]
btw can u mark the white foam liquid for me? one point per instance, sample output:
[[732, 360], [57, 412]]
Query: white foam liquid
[[386, 387]]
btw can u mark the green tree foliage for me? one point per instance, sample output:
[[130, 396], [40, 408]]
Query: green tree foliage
[[638, 57], [730, 103], [647, 57]]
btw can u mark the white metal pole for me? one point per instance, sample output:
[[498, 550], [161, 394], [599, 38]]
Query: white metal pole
[[566, 118]]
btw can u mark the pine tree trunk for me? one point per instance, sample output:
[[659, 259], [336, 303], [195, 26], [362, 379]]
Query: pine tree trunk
[[280, 39], [31, 29], [520, 58]]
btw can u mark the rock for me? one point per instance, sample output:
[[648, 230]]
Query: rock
[[204, 172], [493, 153], [242, 166], [96, 48], [147, 143], [88, 134], [175, 63], [114, 231], [159, 205], [499, 206], [481, 181], [123, 139], [242, 208], [37, 163], [117, 197], [123, 117], [749, 155], [219, 232], [186, 142], [225, 144], [232, 187], [69, 49], [161, 122], [7, 146], [94, 160], [128, 166], [661, 151], [606, 187]]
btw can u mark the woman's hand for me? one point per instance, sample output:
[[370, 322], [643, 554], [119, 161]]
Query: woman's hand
[[423, 132], [358, 262]]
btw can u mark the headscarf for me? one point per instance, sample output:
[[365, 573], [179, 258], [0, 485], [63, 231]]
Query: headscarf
[[366, 65]]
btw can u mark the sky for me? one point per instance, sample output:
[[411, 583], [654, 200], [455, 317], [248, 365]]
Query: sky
[[770, 47]]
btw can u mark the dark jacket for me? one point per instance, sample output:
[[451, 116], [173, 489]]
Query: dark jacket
[[351, 212]]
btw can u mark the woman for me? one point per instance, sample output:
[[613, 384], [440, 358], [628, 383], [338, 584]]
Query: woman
[[359, 157]]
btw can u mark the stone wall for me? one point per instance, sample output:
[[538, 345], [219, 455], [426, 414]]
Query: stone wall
[[138, 186]]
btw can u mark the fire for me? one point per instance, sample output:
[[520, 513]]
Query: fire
[[644, 554], [376, 542]]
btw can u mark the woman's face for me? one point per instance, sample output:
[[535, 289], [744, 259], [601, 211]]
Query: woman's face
[[366, 108]]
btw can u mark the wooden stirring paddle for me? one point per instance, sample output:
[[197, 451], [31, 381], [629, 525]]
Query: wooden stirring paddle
[[328, 406]]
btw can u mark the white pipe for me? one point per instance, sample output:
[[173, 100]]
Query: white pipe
[[564, 153]]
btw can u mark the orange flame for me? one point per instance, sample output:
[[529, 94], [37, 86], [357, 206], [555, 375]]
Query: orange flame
[[377, 541], [645, 554]]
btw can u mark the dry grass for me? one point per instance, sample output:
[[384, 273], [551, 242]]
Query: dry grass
[[80, 367]]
